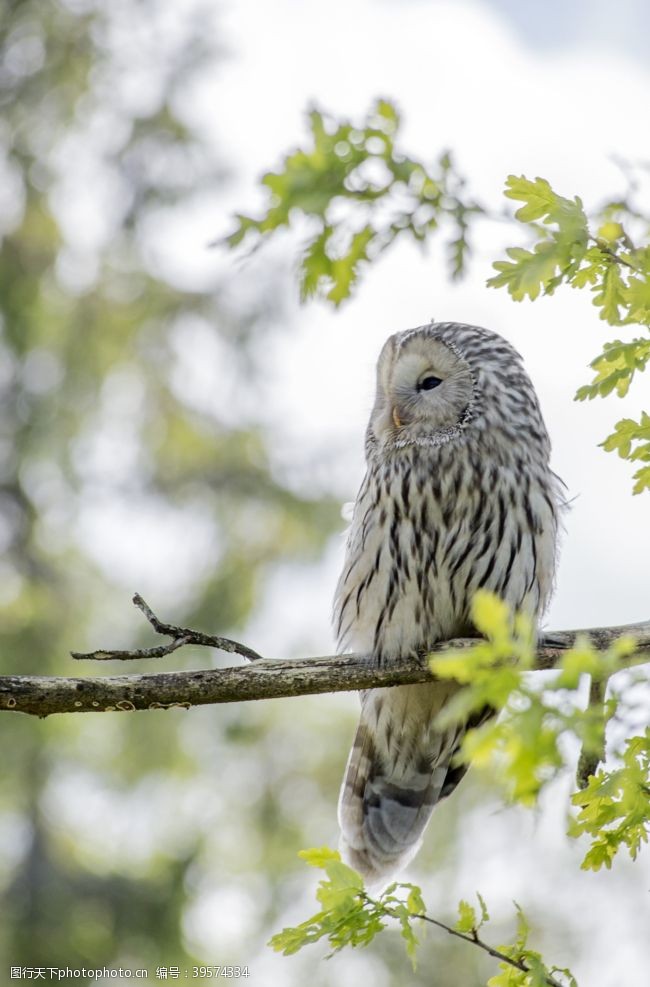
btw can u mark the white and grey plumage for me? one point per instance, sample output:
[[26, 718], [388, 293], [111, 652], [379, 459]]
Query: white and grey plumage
[[458, 496]]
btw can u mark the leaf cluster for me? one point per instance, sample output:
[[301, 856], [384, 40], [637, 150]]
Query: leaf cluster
[[524, 967], [349, 916], [560, 249], [615, 368], [614, 808], [616, 272], [631, 440], [359, 193], [527, 743], [566, 251]]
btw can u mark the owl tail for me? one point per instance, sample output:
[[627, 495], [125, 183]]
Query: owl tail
[[398, 768]]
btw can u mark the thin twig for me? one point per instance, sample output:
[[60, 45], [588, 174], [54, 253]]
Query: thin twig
[[180, 635], [602, 246], [473, 937], [158, 651]]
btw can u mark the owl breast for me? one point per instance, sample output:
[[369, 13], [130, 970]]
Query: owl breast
[[432, 526]]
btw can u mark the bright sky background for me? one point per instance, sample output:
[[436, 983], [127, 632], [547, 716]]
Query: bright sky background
[[464, 78], [556, 98]]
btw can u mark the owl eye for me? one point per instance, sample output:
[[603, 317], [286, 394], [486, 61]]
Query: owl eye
[[429, 382]]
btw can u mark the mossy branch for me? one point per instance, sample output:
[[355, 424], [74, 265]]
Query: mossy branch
[[40, 695]]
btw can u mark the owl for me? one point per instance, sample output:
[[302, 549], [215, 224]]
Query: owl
[[458, 496]]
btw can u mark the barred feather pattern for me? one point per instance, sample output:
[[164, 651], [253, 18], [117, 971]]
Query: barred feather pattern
[[458, 496]]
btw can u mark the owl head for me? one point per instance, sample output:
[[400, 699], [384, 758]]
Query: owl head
[[438, 382]]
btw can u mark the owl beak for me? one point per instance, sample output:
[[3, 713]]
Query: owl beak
[[397, 421]]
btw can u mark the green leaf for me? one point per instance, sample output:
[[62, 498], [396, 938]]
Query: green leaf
[[342, 877], [558, 253], [415, 902], [614, 808], [467, 920], [642, 478], [292, 939], [409, 937], [485, 917], [637, 298], [615, 367], [319, 856], [609, 294], [592, 268], [540, 200], [527, 271], [631, 440]]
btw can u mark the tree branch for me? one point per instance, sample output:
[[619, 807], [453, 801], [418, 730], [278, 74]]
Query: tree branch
[[180, 635], [473, 938], [40, 695], [590, 758]]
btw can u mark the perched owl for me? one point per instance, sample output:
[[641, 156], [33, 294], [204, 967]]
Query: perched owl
[[458, 496]]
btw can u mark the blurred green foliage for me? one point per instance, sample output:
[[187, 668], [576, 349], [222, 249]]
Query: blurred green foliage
[[385, 194], [360, 193], [107, 848]]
